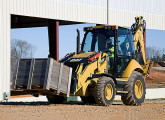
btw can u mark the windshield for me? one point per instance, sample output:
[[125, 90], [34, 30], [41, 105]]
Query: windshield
[[98, 40]]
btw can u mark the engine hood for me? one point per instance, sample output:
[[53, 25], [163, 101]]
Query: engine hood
[[79, 58], [84, 55]]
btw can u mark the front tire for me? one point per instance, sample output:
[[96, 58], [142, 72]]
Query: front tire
[[105, 91], [136, 90]]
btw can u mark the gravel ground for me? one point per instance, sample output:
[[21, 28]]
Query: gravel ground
[[78, 111]]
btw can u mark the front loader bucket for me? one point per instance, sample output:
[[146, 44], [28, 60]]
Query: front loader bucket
[[42, 74]]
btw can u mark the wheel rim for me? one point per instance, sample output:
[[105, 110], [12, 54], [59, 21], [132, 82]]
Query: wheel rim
[[138, 89], [108, 91]]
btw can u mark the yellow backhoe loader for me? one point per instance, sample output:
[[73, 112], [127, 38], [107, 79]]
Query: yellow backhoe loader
[[111, 61]]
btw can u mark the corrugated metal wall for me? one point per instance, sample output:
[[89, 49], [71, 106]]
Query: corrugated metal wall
[[4, 48], [92, 11], [120, 12]]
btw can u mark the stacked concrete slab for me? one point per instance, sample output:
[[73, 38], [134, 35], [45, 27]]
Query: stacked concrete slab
[[42, 74]]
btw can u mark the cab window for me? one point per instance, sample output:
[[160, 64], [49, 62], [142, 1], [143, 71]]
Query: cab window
[[124, 45]]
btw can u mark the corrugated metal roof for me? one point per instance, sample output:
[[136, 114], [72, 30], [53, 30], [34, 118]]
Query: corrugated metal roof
[[121, 12]]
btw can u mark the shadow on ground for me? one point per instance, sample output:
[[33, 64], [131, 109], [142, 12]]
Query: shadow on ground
[[39, 103], [47, 103], [24, 103]]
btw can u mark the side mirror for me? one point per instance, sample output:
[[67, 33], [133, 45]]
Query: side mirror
[[78, 41]]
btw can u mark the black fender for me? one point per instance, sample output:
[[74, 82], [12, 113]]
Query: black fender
[[104, 74]]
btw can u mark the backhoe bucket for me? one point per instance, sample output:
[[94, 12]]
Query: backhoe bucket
[[147, 68]]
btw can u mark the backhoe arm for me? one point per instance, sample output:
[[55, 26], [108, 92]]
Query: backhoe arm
[[138, 29]]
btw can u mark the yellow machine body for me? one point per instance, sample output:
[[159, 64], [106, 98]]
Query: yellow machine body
[[84, 75]]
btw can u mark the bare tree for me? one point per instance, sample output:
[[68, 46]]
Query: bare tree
[[20, 49], [154, 53]]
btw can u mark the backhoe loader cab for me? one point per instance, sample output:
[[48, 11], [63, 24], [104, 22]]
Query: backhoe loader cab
[[113, 40]]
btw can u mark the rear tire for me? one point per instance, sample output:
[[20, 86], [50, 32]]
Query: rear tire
[[136, 90], [56, 99], [105, 91]]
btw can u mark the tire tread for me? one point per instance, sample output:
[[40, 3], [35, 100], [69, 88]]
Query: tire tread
[[99, 94], [129, 98]]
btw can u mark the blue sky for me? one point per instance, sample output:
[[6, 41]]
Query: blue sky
[[39, 38]]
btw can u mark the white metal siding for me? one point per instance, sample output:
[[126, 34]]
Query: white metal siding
[[155, 7], [91, 11], [4, 48], [123, 12]]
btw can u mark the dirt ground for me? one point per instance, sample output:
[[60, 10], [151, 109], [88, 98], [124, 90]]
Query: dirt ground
[[156, 77], [44, 111], [152, 110]]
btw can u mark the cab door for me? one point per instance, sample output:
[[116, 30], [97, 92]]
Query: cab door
[[125, 50]]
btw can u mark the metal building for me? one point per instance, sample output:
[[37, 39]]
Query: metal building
[[52, 13]]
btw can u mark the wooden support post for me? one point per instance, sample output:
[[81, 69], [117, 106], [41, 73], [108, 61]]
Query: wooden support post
[[53, 32]]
